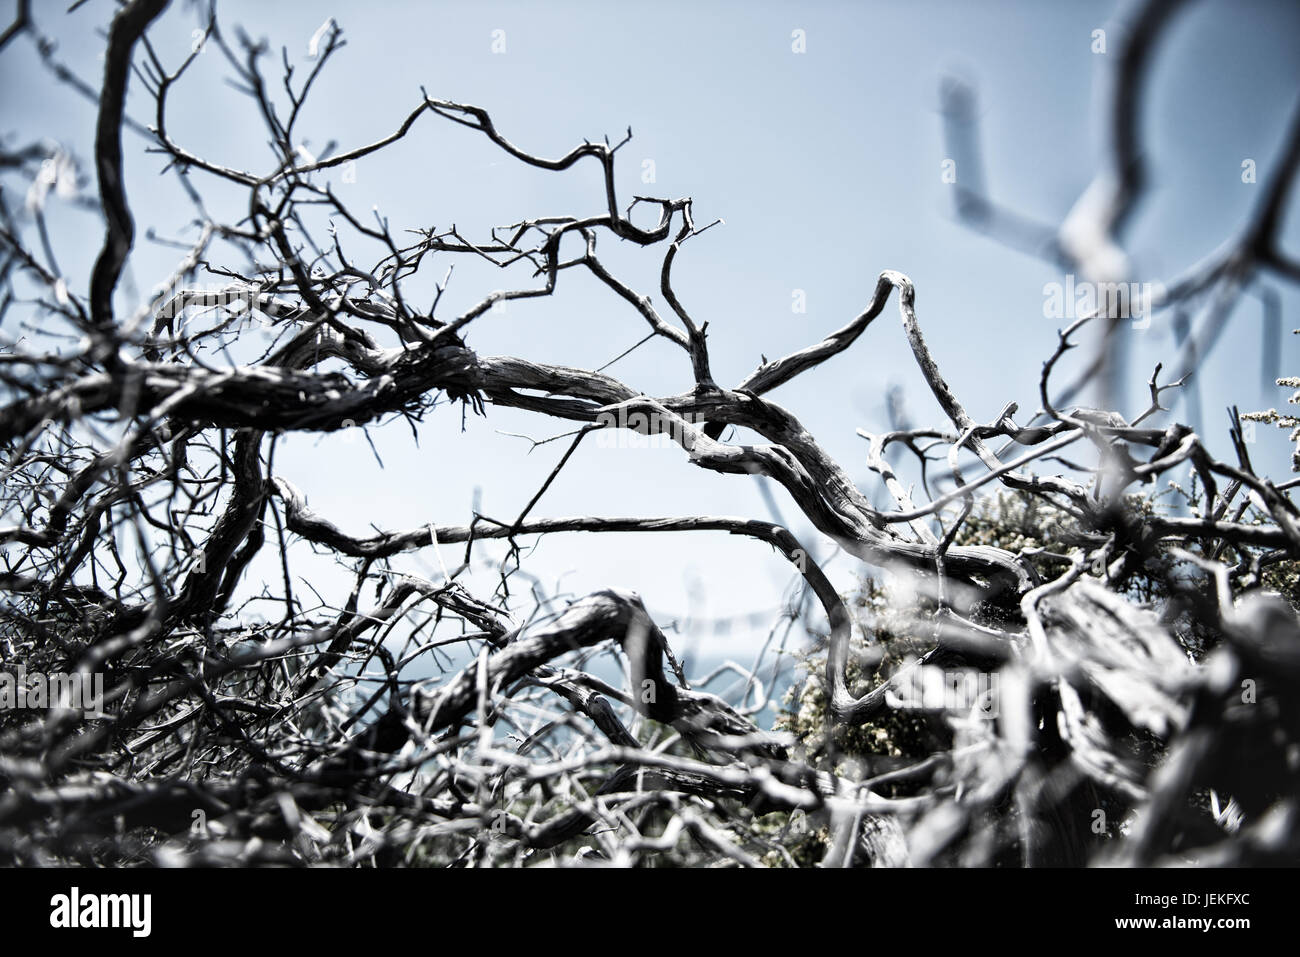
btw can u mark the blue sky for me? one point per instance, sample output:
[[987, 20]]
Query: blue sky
[[825, 166]]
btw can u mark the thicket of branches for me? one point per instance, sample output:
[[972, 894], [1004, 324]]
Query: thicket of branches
[[1142, 665]]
